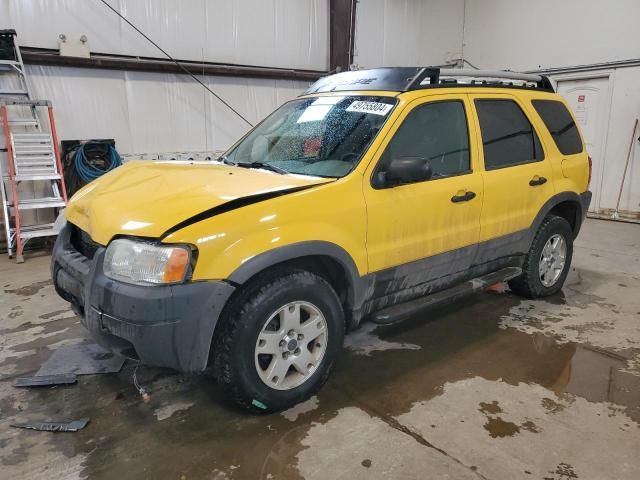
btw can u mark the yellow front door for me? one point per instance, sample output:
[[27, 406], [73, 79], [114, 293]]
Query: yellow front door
[[410, 222], [518, 177]]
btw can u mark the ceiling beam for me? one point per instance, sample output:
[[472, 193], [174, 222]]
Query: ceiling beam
[[342, 26], [44, 56]]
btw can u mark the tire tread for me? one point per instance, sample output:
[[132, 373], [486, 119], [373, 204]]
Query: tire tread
[[528, 284], [247, 299]]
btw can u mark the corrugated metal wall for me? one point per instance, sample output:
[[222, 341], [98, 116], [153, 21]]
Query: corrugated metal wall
[[149, 112], [153, 112], [274, 33]]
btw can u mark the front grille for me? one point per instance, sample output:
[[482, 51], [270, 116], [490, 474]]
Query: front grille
[[83, 243]]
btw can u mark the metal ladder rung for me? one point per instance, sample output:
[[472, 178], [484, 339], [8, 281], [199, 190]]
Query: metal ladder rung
[[27, 158], [14, 92], [37, 176], [29, 102], [35, 163], [24, 122], [32, 151], [45, 170], [34, 231], [38, 155], [31, 142], [31, 137], [38, 203], [27, 147]]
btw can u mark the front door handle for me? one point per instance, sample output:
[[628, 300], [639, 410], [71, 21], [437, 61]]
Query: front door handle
[[535, 181], [463, 198]]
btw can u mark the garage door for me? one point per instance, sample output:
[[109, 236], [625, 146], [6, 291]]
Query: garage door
[[589, 100]]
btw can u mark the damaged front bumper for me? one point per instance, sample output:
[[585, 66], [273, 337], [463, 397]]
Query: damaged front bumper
[[161, 325]]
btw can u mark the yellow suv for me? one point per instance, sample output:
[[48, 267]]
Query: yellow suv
[[375, 194]]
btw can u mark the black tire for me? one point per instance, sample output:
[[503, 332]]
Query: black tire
[[234, 343], [529, 284]]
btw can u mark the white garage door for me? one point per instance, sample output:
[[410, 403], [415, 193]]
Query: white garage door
[[606, 114], [590, 102]]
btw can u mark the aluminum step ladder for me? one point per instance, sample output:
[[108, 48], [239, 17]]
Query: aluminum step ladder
[[29, 157]]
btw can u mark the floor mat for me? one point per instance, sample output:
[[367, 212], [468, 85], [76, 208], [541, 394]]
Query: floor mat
[[46, 380], [82, 359]]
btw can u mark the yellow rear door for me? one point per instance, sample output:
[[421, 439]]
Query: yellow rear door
[[410, 222], [518, 176]]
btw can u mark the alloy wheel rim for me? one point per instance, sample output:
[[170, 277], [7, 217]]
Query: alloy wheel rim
[[291, 345], [552, 260]]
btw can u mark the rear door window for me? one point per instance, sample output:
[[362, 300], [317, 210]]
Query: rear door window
[[561, 126], [508, 137]]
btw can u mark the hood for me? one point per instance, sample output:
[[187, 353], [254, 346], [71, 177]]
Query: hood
[[146, 199]]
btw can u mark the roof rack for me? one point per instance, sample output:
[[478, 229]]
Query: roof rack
[[403, 79]]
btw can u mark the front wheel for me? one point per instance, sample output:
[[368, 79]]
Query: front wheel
[[278, 341], [548, 261]]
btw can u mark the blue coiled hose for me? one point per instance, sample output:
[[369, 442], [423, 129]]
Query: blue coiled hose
[[88, 172]]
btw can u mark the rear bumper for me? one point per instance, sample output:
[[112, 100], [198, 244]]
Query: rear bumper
[[167, 326], [585, 201]]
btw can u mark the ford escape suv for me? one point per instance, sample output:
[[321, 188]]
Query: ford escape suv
[[373, 195]]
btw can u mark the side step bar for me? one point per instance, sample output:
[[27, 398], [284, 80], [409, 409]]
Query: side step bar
[[402, 311]]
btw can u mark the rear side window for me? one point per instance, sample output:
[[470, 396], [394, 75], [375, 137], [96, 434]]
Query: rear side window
[[508, 137], [560, 124], [437, 132]]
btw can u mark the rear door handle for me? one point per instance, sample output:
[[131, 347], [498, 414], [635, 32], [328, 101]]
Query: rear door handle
[[463, 198], [535, 181]]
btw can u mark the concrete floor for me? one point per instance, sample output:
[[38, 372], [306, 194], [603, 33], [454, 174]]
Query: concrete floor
[[496, 387]]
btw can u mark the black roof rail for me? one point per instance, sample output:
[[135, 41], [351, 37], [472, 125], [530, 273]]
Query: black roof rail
[[404, 79]]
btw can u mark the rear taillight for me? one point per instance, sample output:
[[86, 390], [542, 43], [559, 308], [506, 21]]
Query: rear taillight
[[590, 170]]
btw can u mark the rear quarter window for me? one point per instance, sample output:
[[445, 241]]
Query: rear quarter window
[[560, 124]]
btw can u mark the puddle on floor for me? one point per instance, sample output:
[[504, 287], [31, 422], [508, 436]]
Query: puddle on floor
[[187, 429]]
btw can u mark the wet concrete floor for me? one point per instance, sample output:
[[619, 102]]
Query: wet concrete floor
[[496, 387]]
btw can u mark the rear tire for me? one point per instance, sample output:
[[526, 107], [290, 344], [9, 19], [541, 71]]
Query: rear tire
[[548, 261], [262, 318]]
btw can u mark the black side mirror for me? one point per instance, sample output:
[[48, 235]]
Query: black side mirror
[[402, 171]]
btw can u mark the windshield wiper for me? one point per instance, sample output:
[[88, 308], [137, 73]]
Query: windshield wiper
[[224, 159], [264, 166]]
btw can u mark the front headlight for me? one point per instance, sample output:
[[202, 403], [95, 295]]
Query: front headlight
[[145, 263]]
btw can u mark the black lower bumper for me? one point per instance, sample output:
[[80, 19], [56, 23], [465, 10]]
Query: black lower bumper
[[585, 201], [165, 325]]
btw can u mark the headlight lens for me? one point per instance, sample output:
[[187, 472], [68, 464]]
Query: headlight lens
[[145, 263]]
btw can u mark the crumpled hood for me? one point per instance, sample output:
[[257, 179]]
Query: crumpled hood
[[146, 199]]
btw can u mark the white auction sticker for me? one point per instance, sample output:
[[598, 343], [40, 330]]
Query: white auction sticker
[[376, 108]]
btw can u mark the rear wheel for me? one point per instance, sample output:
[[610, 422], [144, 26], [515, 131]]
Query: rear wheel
[[548, 261], [278, 341]]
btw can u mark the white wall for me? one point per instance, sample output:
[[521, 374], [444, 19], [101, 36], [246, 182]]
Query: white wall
[[151, 112], [274, 33], [523, 35], [154, 112], [408, 32], [496, 34]]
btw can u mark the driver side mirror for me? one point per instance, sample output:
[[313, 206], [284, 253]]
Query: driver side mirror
[[403, 170]]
